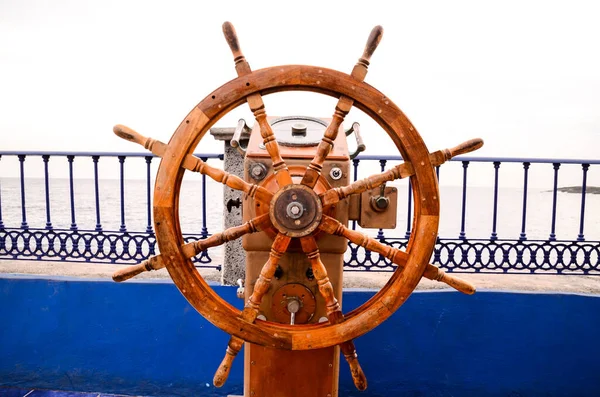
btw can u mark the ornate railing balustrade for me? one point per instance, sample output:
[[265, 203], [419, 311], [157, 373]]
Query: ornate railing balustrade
[[89, 240], [486, 228], [518, 253]]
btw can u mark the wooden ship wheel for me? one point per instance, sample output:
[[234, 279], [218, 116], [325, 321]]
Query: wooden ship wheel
[[297, 213]]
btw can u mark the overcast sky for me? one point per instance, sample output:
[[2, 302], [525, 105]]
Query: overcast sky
[[524, 76]]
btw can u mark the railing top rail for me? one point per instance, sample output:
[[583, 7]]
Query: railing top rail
[[91, 154], [360, 157], [495, 159]]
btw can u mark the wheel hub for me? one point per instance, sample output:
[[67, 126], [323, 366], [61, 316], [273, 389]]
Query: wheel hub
[[296, 210]]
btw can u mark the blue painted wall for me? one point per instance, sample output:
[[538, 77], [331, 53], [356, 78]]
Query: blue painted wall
[[143, 338]]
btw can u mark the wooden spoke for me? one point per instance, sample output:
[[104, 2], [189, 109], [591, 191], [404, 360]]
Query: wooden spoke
[[194, 248], [334, 312], [266, 275], [153, 263], [400, 171], [259, 193], [155, 146], [334, 195], [233, 348], [177, 156], [252, 226], [195, 164], [257, 106], [341, 110], [333, 226], [250, 311]]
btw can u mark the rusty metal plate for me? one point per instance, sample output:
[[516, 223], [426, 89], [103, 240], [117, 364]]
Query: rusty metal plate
[[298, 130], [297, 291], [377, 218], [296, 210]]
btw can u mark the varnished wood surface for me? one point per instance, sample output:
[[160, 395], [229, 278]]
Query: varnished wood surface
[[339, 329], [400, 258], [263, 282], [281, 373], [366, 98], [400, 171], [338, 153], [194, 248], [257, 107], [293, 376], [333, 309], [251, 209], [326, 81], [341, 110], [195, 164], [291, 367]]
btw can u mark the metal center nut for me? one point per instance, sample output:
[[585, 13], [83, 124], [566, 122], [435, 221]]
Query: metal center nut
[[258, 171], [299, 129], [293, 305], [295, 210]]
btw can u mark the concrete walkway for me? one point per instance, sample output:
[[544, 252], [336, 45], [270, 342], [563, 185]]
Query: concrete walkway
[[372, 280], [29, 392]]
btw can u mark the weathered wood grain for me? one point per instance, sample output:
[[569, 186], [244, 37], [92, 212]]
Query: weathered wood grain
[[400, 258], [341, 110], [258, 108], [250, 311], [329, 82], [334, 310], [193, 248], [195, 164], [400, 171]]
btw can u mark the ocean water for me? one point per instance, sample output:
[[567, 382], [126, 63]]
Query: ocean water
[[479, 206]]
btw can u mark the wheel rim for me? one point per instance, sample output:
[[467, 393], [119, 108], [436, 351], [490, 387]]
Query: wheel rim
[[328, 82]]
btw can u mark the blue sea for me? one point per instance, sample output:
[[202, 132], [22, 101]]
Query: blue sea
[[478, 224]]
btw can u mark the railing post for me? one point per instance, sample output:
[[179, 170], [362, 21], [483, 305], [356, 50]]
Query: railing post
[[46, 159], [204, 232], [436, 251], [578, 253], [1, 222], [97, 192], [494, 235], [409, 211], [580, 236], [380, 235], [523, 235], [148, 195], [552, 237], [24, 224], [355, 163], [462, 235], [70, 159], [122, 227]]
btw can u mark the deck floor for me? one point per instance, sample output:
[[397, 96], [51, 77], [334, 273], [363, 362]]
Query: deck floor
[[587, 284], [28, 392]]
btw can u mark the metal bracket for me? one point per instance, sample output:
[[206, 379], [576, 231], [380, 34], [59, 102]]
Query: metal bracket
[[360, 146], [240, 289], [237, 135], [233, 203]]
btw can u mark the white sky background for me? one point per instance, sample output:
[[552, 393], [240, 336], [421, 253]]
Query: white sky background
[[524, 76]]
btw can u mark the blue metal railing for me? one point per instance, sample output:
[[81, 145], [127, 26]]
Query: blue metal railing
[[90, 244], [487, 253], [492, 254]]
